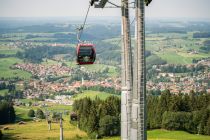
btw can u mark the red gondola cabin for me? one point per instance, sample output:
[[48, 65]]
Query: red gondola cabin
[[86, 54]]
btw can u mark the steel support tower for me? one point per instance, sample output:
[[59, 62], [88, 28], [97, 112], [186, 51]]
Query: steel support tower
[[133, 97], [138, 115], [126, 62]]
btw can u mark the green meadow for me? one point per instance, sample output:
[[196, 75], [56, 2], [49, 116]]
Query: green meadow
[[39, 131], [92, 95], [3, 92], [7, 72], [169, 135]]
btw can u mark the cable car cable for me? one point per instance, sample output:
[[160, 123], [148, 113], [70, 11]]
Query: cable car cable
[[80, 29]]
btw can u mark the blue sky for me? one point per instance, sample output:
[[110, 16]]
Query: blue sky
[[63, 8]]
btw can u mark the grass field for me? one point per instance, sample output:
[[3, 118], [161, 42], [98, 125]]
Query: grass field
[[99, 67], [174, 57], [39, 131], [171, 47], [6, 72], [92, 95], [2, 92], [22, 111], [174, 135], [41, 39], [8, 50], [113, 41], [174, 47], [169, 135], [58, 107]]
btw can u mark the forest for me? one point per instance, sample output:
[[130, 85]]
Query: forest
[[179, 112], [97, 117], [167, 111]]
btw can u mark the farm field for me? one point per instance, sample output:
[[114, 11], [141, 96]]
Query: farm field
[[174, 56], [175, 48], [93, 94], [171, 47], [6, 72], [100, 67], [8, 51], [6, 63]]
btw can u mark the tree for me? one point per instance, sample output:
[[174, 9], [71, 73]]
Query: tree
[[153, 113], [40, 114], [208, 126], [11, 87], [185, 104], [31, 113], [109, 126], [111, 107], [203, 121], [30, 103], [7, 112], [3, 85], [92, 124], [165, 101], [177, 120], [193, 100], [169, 121], [175, 103], [162, 106]]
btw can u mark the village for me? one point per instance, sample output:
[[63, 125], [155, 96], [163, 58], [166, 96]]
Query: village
[[42, 86], [176, 83], [182, 82]]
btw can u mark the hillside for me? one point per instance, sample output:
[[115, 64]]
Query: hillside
[[38, 70]]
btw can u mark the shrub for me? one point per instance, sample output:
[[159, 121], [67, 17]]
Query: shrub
[[31, 113], [40, 114]]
